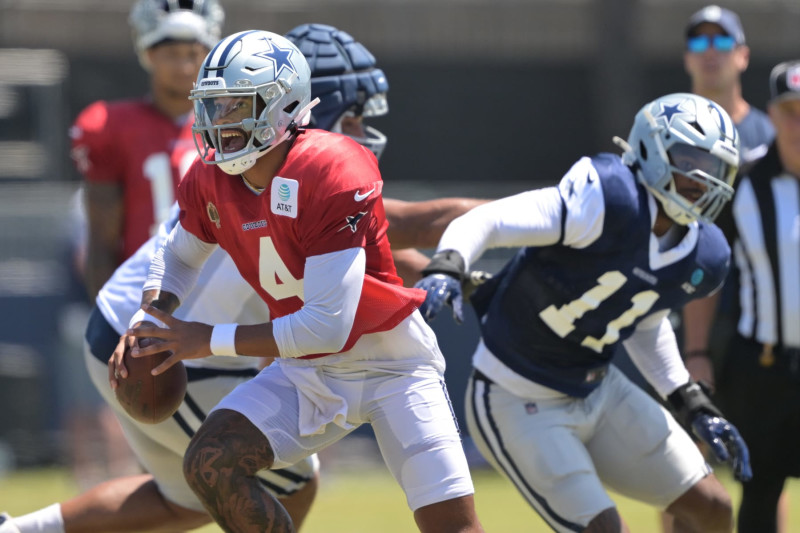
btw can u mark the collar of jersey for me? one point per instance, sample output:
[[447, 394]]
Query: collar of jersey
[[659, 259]]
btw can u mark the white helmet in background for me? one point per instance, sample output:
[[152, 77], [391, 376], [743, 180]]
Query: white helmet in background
[[689, 135], [155, 21], [265, 72]]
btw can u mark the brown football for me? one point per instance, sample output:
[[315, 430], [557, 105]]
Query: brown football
[[151, 399]]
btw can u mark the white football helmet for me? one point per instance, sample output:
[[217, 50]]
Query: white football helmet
[[690, 135], [154, 21], [253, 70]]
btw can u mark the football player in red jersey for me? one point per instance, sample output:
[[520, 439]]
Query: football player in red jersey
[[132, 153], [300, 212]]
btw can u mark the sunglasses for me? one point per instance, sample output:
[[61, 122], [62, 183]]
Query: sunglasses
[[721, 43]]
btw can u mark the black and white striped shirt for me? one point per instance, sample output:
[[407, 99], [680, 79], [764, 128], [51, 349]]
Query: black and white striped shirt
[[766, 249]]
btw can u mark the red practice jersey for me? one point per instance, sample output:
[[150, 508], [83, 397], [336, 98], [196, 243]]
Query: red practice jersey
[[326, 197], [132, 144]]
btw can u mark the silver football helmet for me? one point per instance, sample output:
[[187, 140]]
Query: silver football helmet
[[689, 135], [252, 93], [154, 21]]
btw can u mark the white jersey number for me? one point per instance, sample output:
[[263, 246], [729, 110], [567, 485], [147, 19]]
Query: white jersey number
[[158, 171], [562, 319], [274, 275]]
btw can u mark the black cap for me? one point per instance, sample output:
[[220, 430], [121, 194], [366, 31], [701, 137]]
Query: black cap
[[724, 18], [784, 81]]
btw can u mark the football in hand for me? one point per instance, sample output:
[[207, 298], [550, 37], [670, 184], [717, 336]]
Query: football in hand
[[146, 398]]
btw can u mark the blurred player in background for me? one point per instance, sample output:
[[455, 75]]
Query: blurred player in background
[[607, 253], [131, 154], [352, 348]]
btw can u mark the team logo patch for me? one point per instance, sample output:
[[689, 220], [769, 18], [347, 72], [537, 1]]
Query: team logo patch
[[280, 58], [283, 197], [352, 222], [697, 277], [531, 408], [213, 214]]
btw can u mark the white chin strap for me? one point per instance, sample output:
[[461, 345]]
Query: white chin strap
[[237, 165]]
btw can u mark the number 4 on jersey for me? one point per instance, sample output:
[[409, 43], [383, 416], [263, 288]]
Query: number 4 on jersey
[[274, 275]]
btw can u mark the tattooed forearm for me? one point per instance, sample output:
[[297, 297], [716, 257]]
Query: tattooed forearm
[[220, 466]]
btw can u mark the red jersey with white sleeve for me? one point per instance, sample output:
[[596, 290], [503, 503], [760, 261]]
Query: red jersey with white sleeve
[[325, 198], [131, 143]]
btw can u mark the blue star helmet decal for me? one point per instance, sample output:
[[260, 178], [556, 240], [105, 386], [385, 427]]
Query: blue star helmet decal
[[669, 111], [280, 57]]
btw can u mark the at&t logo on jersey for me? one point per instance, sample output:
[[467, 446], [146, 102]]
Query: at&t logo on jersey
[[283, 197]]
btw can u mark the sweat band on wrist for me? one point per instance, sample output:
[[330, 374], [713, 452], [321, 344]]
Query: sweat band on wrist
[[223, 339], [141, 316]]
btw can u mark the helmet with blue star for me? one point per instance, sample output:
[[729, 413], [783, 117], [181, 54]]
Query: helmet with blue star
[[688, 135], [252, 92], [345, 78]]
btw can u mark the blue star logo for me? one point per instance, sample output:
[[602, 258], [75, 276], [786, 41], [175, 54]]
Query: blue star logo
[[669, 111], [280, 57]]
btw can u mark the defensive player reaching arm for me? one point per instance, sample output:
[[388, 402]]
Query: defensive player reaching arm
[[605, 255], [300, 213]]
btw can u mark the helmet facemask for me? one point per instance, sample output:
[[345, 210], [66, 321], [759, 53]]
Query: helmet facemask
[[711, 177], [244, 133], [369, 137]]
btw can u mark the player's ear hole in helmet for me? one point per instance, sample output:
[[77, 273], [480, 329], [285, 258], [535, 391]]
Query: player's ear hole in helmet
[[687, 136], [252, 93]]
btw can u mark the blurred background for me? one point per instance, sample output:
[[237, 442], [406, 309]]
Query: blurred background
[[487, 98]]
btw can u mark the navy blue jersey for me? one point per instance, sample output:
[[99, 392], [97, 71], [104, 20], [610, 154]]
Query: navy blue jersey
[[554, 314]]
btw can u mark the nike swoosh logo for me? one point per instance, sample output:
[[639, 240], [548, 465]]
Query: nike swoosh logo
[[359, 197]]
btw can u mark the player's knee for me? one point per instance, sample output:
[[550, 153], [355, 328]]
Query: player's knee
[[706, 507], [607, 521], [717, 515]]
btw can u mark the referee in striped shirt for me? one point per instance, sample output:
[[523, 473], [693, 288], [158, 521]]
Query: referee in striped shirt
[[761, 372]]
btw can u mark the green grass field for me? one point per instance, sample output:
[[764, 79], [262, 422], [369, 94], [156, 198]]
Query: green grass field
[[365, 501]]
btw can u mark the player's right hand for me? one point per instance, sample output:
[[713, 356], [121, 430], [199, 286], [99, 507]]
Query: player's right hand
[[441, 289], [724, 440]]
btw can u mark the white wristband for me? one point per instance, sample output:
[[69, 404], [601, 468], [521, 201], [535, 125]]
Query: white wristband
[[223, 340], [141, 316]]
